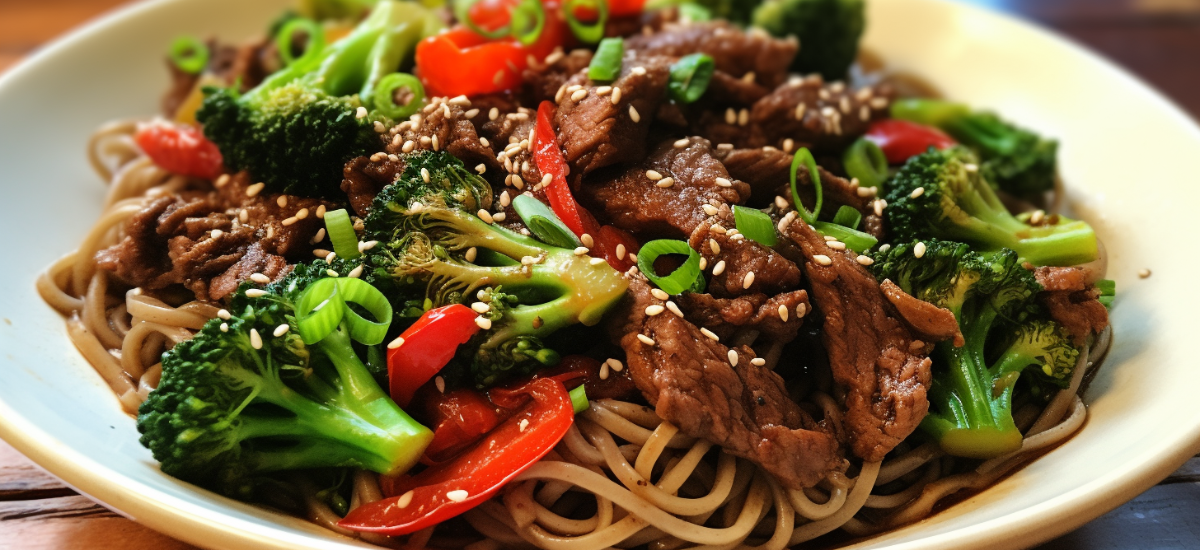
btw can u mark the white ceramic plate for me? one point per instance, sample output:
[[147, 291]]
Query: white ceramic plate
[[1127, 154]]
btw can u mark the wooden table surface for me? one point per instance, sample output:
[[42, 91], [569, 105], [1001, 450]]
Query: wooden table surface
[[1156, 39]]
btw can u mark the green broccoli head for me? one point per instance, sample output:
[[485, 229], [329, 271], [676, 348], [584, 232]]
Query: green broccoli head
[[828, 30], [237, 402], [1044, 344], [436, 251], [954, 202]]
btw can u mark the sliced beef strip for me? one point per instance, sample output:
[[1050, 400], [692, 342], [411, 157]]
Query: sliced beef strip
[[635, 203], [255, 260], [196, 236], [542, 82], [930, 322], [363, 178], [726, 89], [872, 354], [735, 261], [593, 131], [768, 172], [450, 122], [690, 382], [777, 317], [1072, 302], [734, 51]]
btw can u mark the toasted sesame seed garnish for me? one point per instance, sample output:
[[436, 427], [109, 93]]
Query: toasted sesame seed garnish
[[302, 213], [485, 216], [604, 371], [1037, 217], [654, 310], [425, 174], [660, 294], [709, 209], [743, 117], [733, 357], [460, 100], [281, 201], [710, 334], [356, 272], [379, 127], [916, 192], [638, 71], [885, 247], [781, 202], [971, 167], [434, 140], [788, 145], [653, 175], [867, 191], [546, 179], [321, 252], [758, 361], [633, 114], [864, 113], [578, 95], [681, 143], [1143, 273], [216, 233], [582, 251], [224, 327], [470, 254], [718, 229], [330, 257], [616, 95], [224, 314], [864, 260], [222, 180], [425, 140], [645, 339], [837, 245], [723, 182], [878, 205], [749, 77], [522, 425], [484, 142], [783, 312], [255, 339], [360, 112], [844, 105], [822, 259], [255, 189], [828, 238], [518, 182], [620, 251], [281, 330], [665, 182], [801, 309], [615, 364], [633, 257], [483, 323], [458, 495], [587, 240], [574, 88], [703, 263], [256, 293], [260, 278], [596, 261], [919, 250], [714, 246], [719, 268], [244, 215], [748, 280], [499, 216], [799, 112], [480, 307], [604, 90], [404, 500], [409, 146], [331, 273]]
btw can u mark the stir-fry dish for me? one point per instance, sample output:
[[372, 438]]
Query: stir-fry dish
[[580, 275]]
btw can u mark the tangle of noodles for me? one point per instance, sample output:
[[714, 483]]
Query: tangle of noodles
[[622, 477]]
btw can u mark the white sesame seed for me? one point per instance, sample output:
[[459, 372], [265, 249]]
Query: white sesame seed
[[216, 233], [457, 496], [801, 309], [709, 334], [302, 213], [640, 71], [331, 273], [654, 310], [581, 251], [604, 90], [633, 115], [865, 260], [748, 280], [822, 259], [645, 339], [224, 314], [879, 103], [425, 175], [578, 95], [587, 241], [499, 216], [480, 307], [255, 189], [379, 128], [844, 104], [224, 327], [558, 96], [719, 268], [703, 263], [665, 182], [653, 175], [255, 339], [730, 116], [616, 95], [714, 246], [681, 143], [440, 383], [244, 215], [256, 293], [885, 247], [321, 253], [484, 142], [596, 261], [1034, 219], [460, 100], [409, 146], [483, 323], [485, 216], [864, 113], [615, 364], [356, 272], [522, 425], [329, 257], [799, 112], [360, 112], [281, 330], [673, 308], [434, 140], [289, 221], [446, 111], [222, 181], [758, 361], [709, 209], [733, 357], [604, 371], [718, 229], [546, 179], [633, 257], [916, 192], [836, 245], [260, 278], [470, 255], [971, 167], [724, 182], [660, 294], [1143, 273], [404, 500], [743, 117], [518, 182], [620, 251], [281, 201], [919, 250], [867, 191], [878, 205], [748, 78]]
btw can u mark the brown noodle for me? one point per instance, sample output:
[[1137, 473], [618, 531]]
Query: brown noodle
[[622, 476]]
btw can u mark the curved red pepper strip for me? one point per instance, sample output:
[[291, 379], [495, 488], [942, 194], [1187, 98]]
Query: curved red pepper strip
[[429, 344], [901, 139], [447, 490]]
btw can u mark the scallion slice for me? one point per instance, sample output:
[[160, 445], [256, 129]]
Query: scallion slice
[[694, 13], [589, 33], [606, 64], [361, 293], [847, 216], [579, 399], [755, 225], [804, 156], [1108, 291], [677, 281], [528, 20], [855, 240], [543, 223], [189, 54], [385, 96], [690, 77], [319, 311], [341, 233], [284, 40], [865, 160]]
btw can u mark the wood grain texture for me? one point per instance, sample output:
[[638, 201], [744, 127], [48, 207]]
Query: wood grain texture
[[1157, 39]]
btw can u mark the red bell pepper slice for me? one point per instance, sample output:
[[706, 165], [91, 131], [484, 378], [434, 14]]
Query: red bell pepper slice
[[428, 345], [625, 8], [180, 149], [446, 490], [902, 139], [459, 418]]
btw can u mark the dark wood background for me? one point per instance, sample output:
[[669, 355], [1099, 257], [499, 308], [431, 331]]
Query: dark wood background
[[1157, 39]]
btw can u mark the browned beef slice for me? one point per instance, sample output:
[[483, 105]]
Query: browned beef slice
[[1072, 302], [511, 136], [871, 352], [735, 260], [745, 409], [725, 89], [634, 202], [255, 260], [363, 178], [443, 125], [734, 51], [594, 132], [647, 22], [543, 81], [768, 172], [777, 317], [930, 322]]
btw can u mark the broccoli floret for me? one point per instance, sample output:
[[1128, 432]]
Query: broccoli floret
[[955, 203], [828, 30], [234, 406], [297, 129], [1014, 159], [991, 296], [433, 245]]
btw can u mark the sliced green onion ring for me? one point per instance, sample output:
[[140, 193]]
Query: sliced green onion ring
[[319, 311], [543, 223], [527, 21], [189, 54], [606, 64], [677, 281], [462, 12], [804, 156], [694, 13], [341, 234], [579, 399], [316, 39], [756, 225], [846, 216], [587, 33], [865, 160], [360, 292], [855, 240], [385, 96], [690, 77]]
